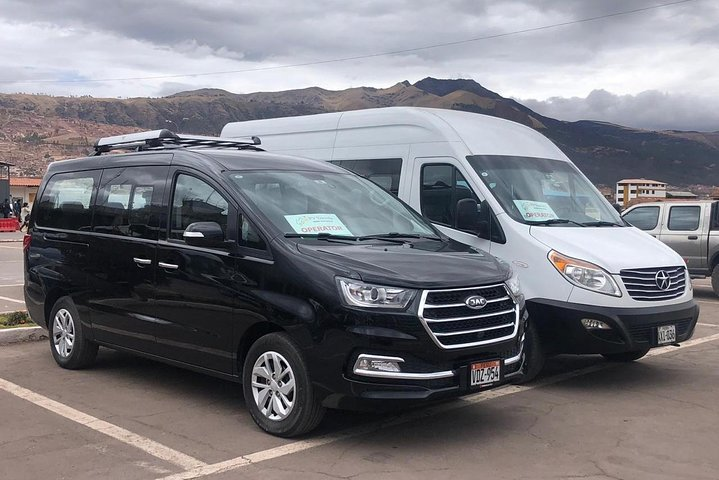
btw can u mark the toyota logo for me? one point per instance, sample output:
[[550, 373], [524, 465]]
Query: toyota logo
[[662, 280], [476, 302]]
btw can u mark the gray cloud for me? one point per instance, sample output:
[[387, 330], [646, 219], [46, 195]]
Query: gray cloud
[[673, 49], [651, 110]]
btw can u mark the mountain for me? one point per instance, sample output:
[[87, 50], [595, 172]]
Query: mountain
[[36, 129]]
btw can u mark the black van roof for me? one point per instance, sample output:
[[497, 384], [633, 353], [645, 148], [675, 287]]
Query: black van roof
[[212, 154]]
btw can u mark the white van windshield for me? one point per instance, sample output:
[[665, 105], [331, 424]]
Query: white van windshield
[[306, 204], [541, 191]]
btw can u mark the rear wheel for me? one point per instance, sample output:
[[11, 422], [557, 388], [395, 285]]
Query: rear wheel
[[68, 344], [277, 388], [715, 279], [626, 356]]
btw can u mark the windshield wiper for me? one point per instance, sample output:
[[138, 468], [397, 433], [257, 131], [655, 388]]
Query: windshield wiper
[[602, 223], [396, 236], [556, 221], [322, 236]]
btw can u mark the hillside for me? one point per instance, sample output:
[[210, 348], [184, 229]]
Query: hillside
[[35, 129]]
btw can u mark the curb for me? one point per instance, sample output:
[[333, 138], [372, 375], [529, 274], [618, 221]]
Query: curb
[[22, 334]]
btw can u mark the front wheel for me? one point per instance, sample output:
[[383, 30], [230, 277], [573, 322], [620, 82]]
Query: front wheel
[[534, 355], [626, 356], [68, 344], [277, 388]]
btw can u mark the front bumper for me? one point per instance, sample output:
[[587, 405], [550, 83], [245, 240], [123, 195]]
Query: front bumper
[[424, 382], [560, 328]]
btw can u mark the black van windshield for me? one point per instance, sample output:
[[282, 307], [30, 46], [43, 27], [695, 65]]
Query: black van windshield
[[336, 204], [541, 191]]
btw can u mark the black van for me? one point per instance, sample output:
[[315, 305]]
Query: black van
[[310, 285]]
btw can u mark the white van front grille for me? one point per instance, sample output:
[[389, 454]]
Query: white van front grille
[[453, 324], [654, 284]]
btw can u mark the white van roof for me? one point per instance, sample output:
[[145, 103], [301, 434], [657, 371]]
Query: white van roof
[[482, 134]]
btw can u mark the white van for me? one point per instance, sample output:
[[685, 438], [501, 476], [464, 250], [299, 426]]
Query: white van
[[593, 283]]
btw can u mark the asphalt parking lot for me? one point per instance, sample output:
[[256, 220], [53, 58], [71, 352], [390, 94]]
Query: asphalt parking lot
[[584, 418]]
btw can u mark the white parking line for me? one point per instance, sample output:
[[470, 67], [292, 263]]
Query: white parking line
[[302, 445], [707, 325], [11, 300], [150, 447], [13, 285]]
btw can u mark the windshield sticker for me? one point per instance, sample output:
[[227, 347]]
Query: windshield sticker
[[313, 223], [531, 210]]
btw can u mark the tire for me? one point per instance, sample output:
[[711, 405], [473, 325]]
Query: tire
[[715, 280], [275, 407], [68, 344], [534, 355], [625, 356]]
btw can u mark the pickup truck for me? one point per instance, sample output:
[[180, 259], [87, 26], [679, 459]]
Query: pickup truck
[[691, 228]]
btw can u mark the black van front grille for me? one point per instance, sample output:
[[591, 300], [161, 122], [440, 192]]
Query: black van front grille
[[453, 324]]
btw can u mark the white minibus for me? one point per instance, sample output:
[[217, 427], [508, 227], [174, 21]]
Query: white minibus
[[593, 283]]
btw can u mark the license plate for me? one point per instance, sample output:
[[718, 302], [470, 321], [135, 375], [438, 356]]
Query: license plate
[[666, 334], [483, 374]]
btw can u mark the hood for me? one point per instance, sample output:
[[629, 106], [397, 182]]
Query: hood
[[612, 248], [420, 264]]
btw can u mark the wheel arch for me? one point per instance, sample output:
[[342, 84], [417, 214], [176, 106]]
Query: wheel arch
[[250, 336]]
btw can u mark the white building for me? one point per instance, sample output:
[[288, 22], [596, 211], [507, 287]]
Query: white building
[[24, 189], [631, 188]]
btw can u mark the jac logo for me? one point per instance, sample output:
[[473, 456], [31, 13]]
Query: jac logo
[[476, 302]]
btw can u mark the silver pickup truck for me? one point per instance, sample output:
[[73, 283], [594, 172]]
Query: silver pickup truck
[[690, 228]]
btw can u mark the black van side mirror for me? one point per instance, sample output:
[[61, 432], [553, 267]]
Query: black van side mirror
[[204, 234], [467, 214]]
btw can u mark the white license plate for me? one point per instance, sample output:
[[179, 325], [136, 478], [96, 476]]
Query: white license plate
[[484, 373], [666, 334]]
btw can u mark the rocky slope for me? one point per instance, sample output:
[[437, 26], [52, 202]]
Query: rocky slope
[[35, 129]]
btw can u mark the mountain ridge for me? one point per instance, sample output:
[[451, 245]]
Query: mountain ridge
[[35, 129]]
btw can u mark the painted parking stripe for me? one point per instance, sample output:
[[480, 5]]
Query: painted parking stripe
[[13, 285], [302, 445], [707, 325], [150, 447], [11, 300]]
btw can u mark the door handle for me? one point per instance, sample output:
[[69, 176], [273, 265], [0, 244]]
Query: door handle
[[167, 266], [693, 237], [142, 261]]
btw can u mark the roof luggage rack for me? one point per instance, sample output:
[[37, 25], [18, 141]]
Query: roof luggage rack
[[161, 139]]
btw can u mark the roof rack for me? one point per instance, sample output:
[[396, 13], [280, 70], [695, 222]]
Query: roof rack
[[161, 139]]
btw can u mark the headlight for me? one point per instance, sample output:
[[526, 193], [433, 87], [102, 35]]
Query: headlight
[[360, 294], [584, 274]]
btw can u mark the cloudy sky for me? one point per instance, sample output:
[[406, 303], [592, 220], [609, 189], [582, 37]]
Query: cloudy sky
[[657, 68]]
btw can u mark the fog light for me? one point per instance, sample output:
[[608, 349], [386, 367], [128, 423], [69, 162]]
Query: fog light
[[594, 324], [376, 363]]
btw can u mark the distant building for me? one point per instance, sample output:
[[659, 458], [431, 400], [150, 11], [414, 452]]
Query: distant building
[[24, 188], [631, 188]]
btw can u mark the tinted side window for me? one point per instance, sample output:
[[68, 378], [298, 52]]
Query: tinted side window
[[129, 201], [66, 201], [644, 218], [193, 200], [684, 218], [385, 172], [442, 187], [436, 195], [249, 235]]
